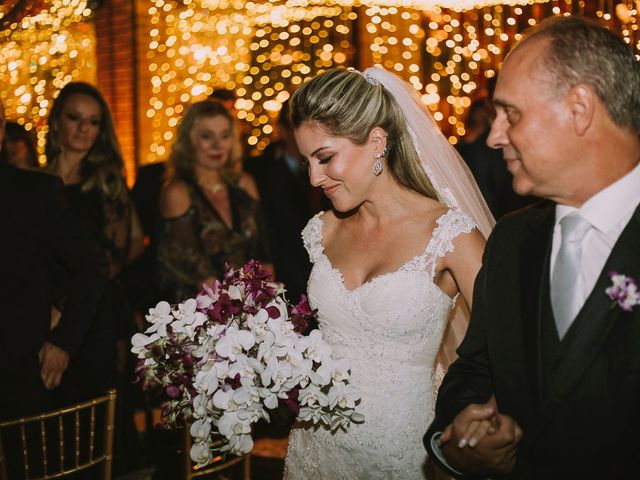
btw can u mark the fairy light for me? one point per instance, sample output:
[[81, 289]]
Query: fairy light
[[448, 50], [39, 54]]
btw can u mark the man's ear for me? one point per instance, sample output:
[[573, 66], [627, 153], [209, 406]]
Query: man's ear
[[378, 138], [582, 101]]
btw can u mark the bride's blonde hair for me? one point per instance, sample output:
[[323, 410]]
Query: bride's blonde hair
[[346, 104]]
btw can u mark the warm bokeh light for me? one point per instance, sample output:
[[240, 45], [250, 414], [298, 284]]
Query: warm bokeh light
[[448, 50], [39, 54]]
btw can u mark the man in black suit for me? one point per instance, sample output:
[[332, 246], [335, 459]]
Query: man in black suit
[[37, 230], [288, 201], [547, 384]]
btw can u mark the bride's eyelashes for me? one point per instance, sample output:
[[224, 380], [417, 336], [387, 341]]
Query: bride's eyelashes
[[325, 160]]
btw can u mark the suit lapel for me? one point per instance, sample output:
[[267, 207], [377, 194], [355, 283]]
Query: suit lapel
[[588, 333], [534, 260]]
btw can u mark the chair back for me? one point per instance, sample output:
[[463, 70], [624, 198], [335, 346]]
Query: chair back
[[61, 442], [217, 464]]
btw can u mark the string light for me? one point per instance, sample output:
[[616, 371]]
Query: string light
[[262, 51], [39, 54]]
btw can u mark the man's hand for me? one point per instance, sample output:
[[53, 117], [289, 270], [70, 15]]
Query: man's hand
[[481, 440], [55, 317], [53, 363]]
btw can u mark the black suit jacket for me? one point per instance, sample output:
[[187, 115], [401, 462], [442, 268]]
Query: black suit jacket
[[37, 230], [577, 401]]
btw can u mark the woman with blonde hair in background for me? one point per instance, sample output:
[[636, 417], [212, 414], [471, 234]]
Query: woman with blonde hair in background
[[210, 212]]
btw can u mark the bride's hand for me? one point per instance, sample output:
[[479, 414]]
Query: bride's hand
[[492, 453], [477, 429], [475, 418]]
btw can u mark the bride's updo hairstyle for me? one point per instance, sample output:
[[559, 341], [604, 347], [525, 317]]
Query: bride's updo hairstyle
[[346, 104]]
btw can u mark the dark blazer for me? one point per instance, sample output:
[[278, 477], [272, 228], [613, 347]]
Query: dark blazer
[[37, 230], [577, 400]]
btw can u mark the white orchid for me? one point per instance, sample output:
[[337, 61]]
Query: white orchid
[[159, 317], [246, 367], [200, 430], [333, 369], [270, 399], [314, 347], [342, 395], [315, 415], [200, 453], [240, 358], [312, 395], [234, 342], [247, 395], [232, 424], [303, 373], [278, 375], [235, 292], [240, 444], [257, 323], [185, 309], [265, 347], [208, 297], [200, 405], [140, 341], [223, 399], [209, 377]]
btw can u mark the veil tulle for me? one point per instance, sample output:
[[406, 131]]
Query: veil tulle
[[452, 181], [445, 168]]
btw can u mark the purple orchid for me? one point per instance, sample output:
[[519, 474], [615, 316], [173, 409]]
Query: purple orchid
[[623, 291]]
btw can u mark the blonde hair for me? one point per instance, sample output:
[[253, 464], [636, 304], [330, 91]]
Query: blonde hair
[[182, 157], [346, 104]]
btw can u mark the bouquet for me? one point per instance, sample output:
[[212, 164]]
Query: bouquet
[[236, 350]]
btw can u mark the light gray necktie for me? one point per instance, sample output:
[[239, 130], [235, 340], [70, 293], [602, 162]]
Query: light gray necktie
[[566, 279]]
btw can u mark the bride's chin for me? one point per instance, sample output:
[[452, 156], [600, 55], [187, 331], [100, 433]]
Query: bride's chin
[[342, 210]]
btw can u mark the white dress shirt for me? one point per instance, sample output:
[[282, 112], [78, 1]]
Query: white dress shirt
[[608, 211]]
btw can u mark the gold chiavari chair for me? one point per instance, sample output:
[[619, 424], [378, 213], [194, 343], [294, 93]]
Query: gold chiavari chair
[[217, 465], [42, 440]]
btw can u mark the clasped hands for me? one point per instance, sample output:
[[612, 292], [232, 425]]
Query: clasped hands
[[481, 440]]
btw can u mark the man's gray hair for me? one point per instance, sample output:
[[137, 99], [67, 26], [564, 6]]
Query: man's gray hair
[[583, 51]]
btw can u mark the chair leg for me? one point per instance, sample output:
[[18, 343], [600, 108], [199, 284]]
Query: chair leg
[[186, 455], [246, 467], [108, 435], [3, 467]]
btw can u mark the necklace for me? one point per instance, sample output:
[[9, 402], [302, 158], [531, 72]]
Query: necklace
[[213, 187]]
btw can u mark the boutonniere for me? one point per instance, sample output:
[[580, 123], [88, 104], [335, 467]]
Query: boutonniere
[[623, 291]]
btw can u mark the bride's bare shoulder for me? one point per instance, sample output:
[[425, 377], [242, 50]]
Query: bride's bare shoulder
[[330, 222], [430, 211]]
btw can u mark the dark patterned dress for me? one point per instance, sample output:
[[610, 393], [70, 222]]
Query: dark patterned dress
[[109, 220], [196, 245]]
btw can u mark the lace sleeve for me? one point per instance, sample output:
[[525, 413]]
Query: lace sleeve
[[117, 212], [448, 227], [312, 237], [182, 263]]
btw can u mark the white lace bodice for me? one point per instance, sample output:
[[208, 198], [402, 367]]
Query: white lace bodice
[[390, 328]]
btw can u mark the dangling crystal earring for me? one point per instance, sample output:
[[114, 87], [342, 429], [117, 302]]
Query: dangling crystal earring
[[377, 166]]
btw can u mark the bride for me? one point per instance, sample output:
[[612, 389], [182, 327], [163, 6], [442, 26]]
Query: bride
[[404, 238]]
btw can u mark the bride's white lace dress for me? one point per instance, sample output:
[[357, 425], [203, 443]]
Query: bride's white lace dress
[[390, 328]]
